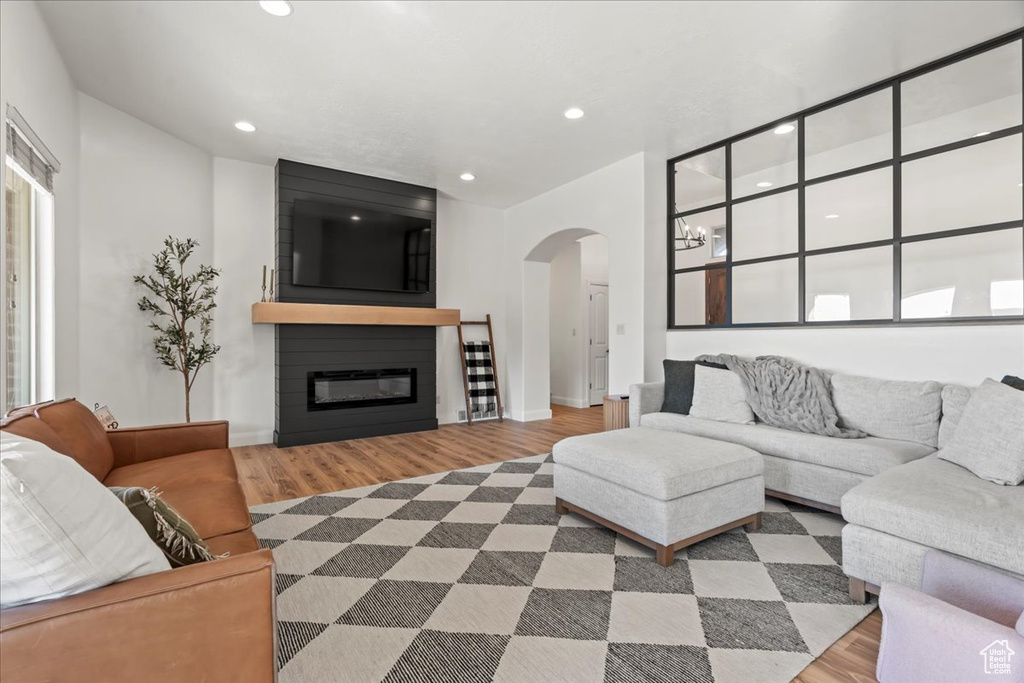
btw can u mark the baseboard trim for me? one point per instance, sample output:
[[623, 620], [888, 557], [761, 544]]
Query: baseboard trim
[[236, 439], [531, 415], [569, 402]]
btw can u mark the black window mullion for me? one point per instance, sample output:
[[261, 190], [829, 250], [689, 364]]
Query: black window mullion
[[962, 144], [801, 213], [857, 170], [691, 212], [670, 246], [728, 236], [958, 232], [897, 202]]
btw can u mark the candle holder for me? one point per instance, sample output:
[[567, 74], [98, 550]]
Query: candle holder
[[271, 300], [263, 287]]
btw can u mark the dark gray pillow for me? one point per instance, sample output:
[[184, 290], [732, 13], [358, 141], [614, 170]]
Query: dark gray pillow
[[679, 384], [1015, 382]]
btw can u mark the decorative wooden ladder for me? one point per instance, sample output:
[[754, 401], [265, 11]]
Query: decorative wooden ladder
[[465, 367]]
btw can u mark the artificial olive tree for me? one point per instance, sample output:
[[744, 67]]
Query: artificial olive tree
[[182, 305]]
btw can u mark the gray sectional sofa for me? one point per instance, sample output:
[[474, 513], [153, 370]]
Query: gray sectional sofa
[[898, 497]]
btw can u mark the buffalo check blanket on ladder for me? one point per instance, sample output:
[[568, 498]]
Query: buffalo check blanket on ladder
[[479, 375]]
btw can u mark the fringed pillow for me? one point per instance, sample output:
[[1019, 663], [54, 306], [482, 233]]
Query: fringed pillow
[[169, 530]]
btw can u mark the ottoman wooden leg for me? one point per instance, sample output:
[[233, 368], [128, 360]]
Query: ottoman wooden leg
[[858, 590], [755, 525], [666, 555], [560, 507]]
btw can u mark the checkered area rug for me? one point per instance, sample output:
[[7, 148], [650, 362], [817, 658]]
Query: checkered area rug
[[471, 576]]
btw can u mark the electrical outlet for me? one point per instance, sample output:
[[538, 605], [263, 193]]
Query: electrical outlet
[[574, 331], [620, 329], [438, 400]]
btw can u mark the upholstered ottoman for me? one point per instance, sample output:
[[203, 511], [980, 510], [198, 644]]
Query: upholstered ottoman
[[666, 490]]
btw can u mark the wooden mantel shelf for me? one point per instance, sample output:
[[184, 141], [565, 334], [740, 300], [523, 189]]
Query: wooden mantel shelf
[[278, 313]]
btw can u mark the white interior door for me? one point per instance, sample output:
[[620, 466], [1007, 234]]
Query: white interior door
[[597, 349]]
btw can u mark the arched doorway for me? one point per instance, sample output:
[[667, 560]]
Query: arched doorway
[[546, 338]]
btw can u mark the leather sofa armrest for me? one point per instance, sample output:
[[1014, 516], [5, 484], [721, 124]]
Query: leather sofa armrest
[[139, 444], [211, 621]]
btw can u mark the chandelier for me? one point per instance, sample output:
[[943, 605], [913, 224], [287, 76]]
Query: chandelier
[[686, 238]]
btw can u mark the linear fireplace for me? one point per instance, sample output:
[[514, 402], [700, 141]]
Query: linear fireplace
[[359, 388]]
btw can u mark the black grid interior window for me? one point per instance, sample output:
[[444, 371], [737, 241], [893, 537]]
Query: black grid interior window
[[900, 203]]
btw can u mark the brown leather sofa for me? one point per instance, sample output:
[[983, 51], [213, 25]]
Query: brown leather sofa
[[212, 621]]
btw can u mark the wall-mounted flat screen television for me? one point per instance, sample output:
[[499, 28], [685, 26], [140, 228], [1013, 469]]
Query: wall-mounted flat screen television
[[334, 245]]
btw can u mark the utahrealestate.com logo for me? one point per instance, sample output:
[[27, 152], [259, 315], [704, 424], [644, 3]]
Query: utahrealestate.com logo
[[997, 657]]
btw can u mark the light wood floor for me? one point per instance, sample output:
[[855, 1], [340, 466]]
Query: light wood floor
[[270, 474]]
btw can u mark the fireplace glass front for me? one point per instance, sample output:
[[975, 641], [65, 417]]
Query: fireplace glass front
[[359, 388]]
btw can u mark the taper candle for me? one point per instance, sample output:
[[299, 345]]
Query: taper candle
[[264, 275]]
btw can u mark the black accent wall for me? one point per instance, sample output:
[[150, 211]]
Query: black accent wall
[[303, 348]]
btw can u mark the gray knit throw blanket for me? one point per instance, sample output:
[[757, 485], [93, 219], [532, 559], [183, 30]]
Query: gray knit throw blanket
[[783, 393]]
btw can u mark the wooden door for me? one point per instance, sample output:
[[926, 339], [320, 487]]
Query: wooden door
[[714, 295]]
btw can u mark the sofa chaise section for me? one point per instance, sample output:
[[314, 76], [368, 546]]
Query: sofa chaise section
[[896, 517]]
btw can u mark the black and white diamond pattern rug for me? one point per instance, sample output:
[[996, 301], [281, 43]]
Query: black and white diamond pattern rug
[[471, 576]]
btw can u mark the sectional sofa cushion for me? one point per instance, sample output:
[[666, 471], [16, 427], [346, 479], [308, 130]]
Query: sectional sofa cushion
[[867, 456], [63, 532], [679, 377], [907, 411], [941, 505], [202, 486], [954, 400], [989, 439], [719, 395]]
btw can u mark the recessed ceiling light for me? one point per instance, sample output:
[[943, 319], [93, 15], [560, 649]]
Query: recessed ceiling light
[[245, 127], [356, 218], [467, 177], [279, 8], [573, 113], [785, 129], [982, 134], [832, 215], [764, 183]]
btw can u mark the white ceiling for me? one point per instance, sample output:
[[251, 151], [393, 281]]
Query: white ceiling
[[421, 92]]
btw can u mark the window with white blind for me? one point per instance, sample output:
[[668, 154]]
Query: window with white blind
[[28, 309]]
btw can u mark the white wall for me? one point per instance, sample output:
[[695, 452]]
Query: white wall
[[138, 185], [610, 202], [594, 259], [566, 325], [469, 254], [34, 80], [243, 241], [656, 256], [962, 355]]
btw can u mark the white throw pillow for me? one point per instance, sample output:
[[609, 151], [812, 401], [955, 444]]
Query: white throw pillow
[[719, 395], [61, 531], [989, 439]]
